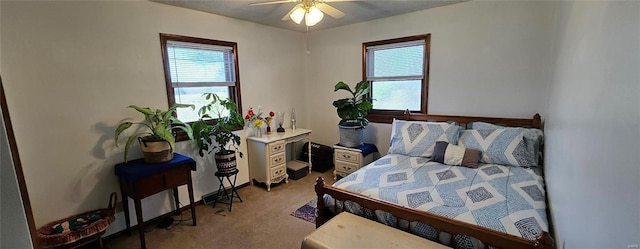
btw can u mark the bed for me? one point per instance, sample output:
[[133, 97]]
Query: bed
[[498, 202]]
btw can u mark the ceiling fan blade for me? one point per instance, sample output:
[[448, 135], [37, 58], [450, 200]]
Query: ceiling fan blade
[[335, 13], [288, 15], [273, 2]]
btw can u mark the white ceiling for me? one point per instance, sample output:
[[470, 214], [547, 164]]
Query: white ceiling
[[355, 10]]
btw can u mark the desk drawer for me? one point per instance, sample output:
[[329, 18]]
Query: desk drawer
[[168, 179], [276, 160], [278, 171], [347, 156], [276, 147], [178, 176]]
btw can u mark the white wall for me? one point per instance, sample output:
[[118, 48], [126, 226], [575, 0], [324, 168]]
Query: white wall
[[14, 229], [593, 126], [70, 68], [487, 59]]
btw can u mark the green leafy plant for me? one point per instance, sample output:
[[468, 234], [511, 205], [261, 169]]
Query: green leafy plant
[[353, 110], [160, 126], [219, 127]]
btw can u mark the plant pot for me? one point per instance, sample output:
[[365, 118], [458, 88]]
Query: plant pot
[[155, 151], [226, 163], [351, 136]]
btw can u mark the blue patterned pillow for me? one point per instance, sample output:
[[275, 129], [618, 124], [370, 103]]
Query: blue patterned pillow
[[414, 138], [533, 138], [504, 146]]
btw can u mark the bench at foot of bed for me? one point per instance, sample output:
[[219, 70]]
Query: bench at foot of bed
[[347, 230]]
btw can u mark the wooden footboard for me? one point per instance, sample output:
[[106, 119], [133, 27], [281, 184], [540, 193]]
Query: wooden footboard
[[441, 224]]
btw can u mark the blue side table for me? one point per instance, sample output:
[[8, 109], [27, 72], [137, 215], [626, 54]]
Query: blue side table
[[139, 180], [349, 159]]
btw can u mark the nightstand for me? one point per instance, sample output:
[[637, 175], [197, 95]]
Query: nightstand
[[349, 159]]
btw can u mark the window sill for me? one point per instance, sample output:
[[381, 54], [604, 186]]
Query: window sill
[[386, 117], [182, 136]]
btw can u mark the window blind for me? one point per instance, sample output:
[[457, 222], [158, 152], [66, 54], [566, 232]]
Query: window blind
[[198, 65], [397, 61]]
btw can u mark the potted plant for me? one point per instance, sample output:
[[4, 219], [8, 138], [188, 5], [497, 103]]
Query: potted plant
[[224, 143], [158, 142], [352, 112]]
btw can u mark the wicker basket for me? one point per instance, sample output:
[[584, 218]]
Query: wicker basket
[[351, 136], [156, 151], [91, 232], [226, 163]]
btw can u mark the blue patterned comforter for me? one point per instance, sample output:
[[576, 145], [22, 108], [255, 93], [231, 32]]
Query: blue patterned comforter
[[503, 198]]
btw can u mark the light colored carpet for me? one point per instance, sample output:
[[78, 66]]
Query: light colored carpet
[[263, 220]]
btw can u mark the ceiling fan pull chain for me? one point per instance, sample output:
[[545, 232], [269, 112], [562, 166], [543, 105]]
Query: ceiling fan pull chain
[[307, 37]]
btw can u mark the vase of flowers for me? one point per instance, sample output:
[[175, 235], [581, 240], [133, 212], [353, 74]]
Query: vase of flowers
[[255, 119], [269, 120]]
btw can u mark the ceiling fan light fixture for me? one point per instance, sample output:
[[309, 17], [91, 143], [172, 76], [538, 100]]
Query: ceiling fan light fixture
[[298, 14], [313, 16]]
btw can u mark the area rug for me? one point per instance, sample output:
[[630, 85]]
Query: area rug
[[306, 212]]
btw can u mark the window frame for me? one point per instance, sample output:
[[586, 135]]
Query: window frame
[[387, 116], [234, 91]]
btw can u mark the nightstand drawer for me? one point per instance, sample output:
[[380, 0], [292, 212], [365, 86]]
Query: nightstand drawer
[[276, 147], [346, 167], [347, 156], [277, 160]]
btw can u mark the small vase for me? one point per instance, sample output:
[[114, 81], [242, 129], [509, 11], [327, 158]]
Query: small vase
[[258, 132], [268, 130]]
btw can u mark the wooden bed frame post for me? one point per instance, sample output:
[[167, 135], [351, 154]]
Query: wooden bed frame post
[[319, 187], [537, 121], [544, 240]]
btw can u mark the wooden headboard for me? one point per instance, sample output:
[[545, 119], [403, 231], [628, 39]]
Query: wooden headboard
[[535, 122]]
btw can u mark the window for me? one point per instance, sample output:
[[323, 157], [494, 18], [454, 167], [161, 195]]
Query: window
[[398, 70], [194, 66]]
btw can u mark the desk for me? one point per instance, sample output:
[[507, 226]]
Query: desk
[[139, 180], [268, 157]]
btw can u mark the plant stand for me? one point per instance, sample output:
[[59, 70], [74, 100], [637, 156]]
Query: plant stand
[[222, 189]]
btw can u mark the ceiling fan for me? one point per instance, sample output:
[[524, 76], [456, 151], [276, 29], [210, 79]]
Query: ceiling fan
[[312, 11]]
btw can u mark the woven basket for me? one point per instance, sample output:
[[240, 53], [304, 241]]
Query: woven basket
[[93, 231], [351, 136], [155, 151], [226, 163]]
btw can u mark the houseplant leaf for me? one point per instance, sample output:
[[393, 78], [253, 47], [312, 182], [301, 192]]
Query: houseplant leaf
[[122, 127], [129, 142], [143, 110], [342, 86]]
